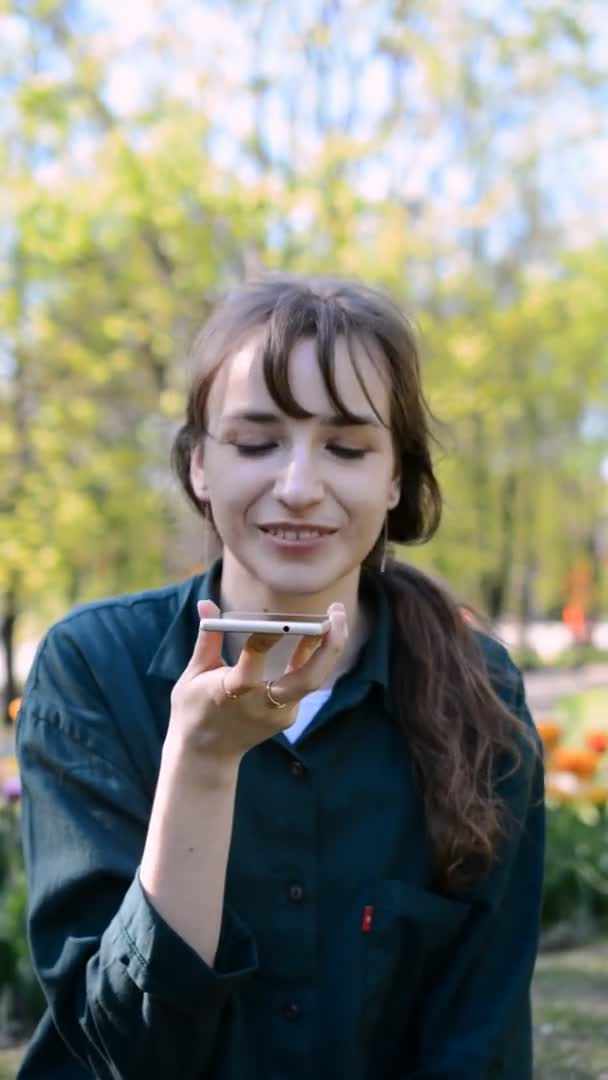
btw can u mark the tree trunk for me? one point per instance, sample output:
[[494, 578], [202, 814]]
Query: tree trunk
[[496, 583], [593, 605], [529, 567], [8, 622]]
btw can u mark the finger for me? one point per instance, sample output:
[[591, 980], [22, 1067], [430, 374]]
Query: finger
[[293, 684], [321, 663], [303, 651], [207, 652], [249, 668]]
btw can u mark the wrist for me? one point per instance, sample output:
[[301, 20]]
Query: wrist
[[194, 764]]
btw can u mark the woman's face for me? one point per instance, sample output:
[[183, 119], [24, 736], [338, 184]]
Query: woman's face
[[297, 503]]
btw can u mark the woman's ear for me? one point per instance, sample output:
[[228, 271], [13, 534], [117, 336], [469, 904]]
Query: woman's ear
[[197, 474], [394, 492]]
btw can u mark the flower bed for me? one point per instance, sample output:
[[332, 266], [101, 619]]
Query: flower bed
[[576, 868]]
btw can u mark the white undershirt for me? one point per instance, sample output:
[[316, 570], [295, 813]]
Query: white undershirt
[[307, 710]]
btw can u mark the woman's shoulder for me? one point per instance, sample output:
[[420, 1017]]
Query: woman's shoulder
[[139, 605], [508, 685], [503, 672], [96, 635]]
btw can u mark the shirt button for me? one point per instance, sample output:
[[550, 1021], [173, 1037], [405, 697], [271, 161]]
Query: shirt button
[[293, 1011], [296, 893], [297, 768]]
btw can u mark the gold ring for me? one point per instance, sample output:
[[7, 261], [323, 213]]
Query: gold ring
[[228, 693], [273, 701]]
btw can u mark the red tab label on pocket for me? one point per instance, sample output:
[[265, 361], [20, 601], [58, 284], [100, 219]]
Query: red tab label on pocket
[[368, 918]]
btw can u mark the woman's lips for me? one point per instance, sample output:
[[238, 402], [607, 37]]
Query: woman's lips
[[296, 541]]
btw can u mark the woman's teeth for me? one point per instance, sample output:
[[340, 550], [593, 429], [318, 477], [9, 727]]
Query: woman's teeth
[[296, 534]]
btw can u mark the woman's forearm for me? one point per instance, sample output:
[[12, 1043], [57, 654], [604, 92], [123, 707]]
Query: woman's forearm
[[183, 868]]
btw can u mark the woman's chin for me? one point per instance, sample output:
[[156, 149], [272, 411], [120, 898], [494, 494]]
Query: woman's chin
[[303, 579]]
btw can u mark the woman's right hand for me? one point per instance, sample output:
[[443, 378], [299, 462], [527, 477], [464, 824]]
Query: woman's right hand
[[205, 720]]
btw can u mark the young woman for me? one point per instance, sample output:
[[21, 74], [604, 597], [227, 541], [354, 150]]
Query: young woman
[[249, 862]]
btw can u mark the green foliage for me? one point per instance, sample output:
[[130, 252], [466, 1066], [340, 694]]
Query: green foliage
[[529, 660], [581, 654], [116, 246], [576, 867], [581, 712], [20, 992]]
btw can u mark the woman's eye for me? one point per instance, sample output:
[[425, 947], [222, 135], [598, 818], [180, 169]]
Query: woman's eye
[[253, 449], [348, 451], [258, 449]]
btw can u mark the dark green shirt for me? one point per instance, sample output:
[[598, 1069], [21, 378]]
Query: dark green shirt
[[337, 959]]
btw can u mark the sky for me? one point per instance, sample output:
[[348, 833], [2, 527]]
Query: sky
[[217, 53], [569, 130]]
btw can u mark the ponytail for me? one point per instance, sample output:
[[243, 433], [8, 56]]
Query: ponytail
[[463, 738]]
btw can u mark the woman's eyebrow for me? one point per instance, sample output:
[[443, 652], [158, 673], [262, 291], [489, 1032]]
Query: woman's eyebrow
[[334, 420]]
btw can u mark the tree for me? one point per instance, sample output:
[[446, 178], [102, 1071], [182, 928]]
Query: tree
[[367, 138]]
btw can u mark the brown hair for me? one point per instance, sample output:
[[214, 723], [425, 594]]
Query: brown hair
[[458, 730]]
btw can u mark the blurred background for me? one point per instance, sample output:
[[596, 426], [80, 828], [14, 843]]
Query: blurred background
[[453, 151]]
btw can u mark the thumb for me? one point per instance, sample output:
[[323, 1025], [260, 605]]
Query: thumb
[[207, 652]]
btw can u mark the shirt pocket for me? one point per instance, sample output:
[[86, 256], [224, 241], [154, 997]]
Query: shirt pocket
[[408, 924]]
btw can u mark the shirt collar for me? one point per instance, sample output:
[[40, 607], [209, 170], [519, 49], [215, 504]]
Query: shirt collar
[[177, 643], [175, 648]]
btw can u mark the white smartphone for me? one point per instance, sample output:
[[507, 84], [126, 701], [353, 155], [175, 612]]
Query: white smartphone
[[273, 622]]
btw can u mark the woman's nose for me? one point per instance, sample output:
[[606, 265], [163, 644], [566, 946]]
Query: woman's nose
[[299, 482]]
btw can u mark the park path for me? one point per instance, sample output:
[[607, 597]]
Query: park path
[[545, 688]]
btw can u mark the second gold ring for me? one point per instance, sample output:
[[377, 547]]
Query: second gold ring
[[272, 700]]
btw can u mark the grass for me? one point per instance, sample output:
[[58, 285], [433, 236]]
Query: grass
[[9, 1063], [570, 1017], [571, 1014]]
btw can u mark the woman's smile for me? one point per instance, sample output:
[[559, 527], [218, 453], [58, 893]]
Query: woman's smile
[[297, 539]]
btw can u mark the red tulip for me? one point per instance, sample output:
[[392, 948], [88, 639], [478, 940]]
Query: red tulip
[[597, 740]]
